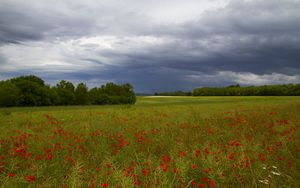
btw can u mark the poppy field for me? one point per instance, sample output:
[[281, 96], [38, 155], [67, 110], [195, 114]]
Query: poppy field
[[203, 142]]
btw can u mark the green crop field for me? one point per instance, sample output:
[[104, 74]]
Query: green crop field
[[158, 142]]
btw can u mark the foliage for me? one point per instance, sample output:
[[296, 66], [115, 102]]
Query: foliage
[[81, 94], [32, 91], [9, 94], [113, 94], [236, 90], [175, 93], [65, 91]]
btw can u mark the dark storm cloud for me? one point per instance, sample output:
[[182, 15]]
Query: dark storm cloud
[[24, 21], [258, 39], [255, 36], [33, 20], [13, 30]]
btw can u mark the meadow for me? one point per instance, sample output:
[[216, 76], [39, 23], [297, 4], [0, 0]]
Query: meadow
[[158, 142]]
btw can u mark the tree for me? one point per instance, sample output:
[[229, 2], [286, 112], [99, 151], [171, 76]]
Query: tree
[[31, 78], [65, 91], [81, 94], [31, 92], [112, 94], [9, 94], [63, 84]]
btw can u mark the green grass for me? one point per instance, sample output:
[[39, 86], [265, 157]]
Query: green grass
[[159, 142]]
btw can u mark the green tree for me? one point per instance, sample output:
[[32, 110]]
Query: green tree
[[81, 94], [65, 90], [9, 94], [63, 84]]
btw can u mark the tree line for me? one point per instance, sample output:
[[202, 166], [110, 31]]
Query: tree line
[[32, 91], [174, 93], [237, 90]]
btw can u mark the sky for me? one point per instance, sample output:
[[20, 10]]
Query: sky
[[156, 45]]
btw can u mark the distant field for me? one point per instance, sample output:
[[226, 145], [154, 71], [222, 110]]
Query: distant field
[[158, 142]]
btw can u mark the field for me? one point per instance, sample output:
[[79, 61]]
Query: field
[[159, 142]]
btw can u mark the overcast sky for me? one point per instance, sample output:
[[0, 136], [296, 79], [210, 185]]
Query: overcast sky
[[156, 45]]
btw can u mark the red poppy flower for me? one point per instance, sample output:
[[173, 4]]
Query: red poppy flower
[[206, 150], [211, 183], [231, 156], [194, 166], [104, 185], [49, 157], [261, 156], [175, 170], [137, 183], [198, 151], [30, 178]]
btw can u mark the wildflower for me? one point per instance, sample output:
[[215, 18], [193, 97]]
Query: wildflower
[[39, 157], [11, 175], [30, 178], [261, 156], [270, 150], [20, 150], [47, 151], [194, 166], [275, 173], [202, 185], [137, 183], [108, 165], [231, 156], [145, 172], [166, 158], [206, 151], [211, 184], [194, 183], [175, 170], [247, 165], [49, 157], [264, 181], [164, 167], [92, 185], [104, 185], [182, 154]]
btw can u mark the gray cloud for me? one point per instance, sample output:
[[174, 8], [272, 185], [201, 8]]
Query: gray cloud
[[212, 43]]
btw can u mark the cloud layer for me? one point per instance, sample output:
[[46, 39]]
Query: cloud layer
[[156, 46]]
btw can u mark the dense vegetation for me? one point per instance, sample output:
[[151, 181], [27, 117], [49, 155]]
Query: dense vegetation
[[236, 90], [175, 93], [32, 91]]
